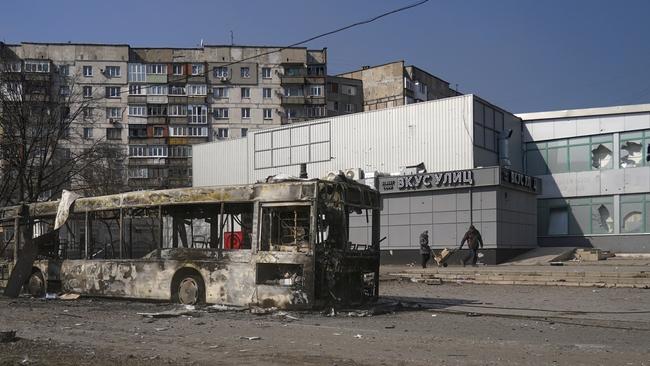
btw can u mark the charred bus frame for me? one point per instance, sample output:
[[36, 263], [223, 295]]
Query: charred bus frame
[[283, 244]]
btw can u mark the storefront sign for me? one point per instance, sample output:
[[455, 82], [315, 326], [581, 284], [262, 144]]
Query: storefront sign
[[520, 180], [430, 181]]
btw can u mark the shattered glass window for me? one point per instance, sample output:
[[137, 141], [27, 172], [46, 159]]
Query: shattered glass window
[[632, 213], [634, 149]]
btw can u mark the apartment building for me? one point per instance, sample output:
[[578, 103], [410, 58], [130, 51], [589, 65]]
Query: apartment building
[[394, 84], [155, 103], [344, 96]]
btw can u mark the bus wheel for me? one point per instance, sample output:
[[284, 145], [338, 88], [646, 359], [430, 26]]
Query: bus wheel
[[188, 289], [35, 285]]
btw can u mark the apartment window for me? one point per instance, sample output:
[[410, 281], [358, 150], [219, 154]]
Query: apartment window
[[154, 110], [244, 132], [148, 151], [177, 110], [293, 71], [221, 113], [316, 70], [88, 132], [137, 73], [292, 113], [159, 69], [266, 93], [316, 111], [112, 71], [87, 112], [245, 93], [138, 172], [37, 66], [268, 113], [334, 88], [349, 108], [138, 110], [198, 114], [87, 91], [634, 149], [113, 133], [112, 92], [180, 151], [158, 90], [222, 133], [194, 89], [16, 66], [64, 70], [316, 90], [88, 71], [176, 90], [294, 91], [138, 131], [349, 89], [177, 69], [220, 92], [245, 72], [113, 112], [569, 155], [197, 69], [266, 73], [245, 113], [158, 131], [137, 89], [220, 72]]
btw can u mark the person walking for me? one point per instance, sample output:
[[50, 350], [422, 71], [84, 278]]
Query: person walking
[[425, 249], [473, 239]]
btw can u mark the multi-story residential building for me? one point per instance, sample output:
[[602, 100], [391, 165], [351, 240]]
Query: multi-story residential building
[[395, 84], [344, 96], [157, 102]]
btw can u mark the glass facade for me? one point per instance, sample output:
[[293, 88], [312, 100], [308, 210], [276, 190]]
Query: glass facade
[[593, 215], [634, 149], [569, 155]]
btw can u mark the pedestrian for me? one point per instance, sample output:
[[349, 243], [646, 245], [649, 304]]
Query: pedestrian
[[473, 239], [425, 249]]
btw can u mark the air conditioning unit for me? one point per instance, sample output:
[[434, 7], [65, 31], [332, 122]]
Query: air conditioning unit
[[113, 120], [332, 174], [354, 173], [224, 79]]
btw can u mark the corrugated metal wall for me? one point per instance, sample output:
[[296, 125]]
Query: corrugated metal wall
[[438, 133], [220, 163]]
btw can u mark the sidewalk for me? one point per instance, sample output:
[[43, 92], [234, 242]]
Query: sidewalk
[[627, 273]]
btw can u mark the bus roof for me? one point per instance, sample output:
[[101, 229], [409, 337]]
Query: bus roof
[[354, 194]]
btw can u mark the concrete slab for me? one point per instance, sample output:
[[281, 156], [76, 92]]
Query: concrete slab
[[541, 256]]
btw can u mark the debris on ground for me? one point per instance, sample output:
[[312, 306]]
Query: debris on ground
[[263, 311], [7, 336], [51, 296], [188, 311], [69, 296], [473, 314], [219, 307], [251, 338], [358, 336], [286, 316]]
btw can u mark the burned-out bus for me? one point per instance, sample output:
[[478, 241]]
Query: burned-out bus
[[283, 244]]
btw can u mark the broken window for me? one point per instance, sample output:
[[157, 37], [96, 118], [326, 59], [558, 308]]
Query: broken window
[[285, 228], [602, 218], [632, 213], [635, 149], [279, 274], [215, 226], [601, 156]]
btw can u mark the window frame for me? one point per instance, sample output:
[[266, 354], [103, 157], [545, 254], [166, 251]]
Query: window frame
[[87, 71], [266, 73]]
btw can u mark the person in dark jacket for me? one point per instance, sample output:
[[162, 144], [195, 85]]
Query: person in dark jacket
[[425, 249], [473, 239]]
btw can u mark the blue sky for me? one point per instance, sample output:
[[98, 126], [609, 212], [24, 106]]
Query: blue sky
[[523, 55]]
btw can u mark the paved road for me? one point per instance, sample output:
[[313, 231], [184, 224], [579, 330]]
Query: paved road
[[529, 325]]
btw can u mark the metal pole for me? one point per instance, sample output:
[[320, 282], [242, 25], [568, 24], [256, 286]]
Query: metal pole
[[87, 236], [160, 226], [121, 231], [471, 207]]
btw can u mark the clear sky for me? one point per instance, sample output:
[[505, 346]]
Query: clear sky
[[523, 55]]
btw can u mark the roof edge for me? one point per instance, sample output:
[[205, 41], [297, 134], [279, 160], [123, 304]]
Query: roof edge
[[585, 112]]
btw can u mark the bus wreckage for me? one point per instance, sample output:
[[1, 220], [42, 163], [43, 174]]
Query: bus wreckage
[[283, 244]]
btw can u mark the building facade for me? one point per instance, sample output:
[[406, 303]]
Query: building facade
[[344, 96], [458, 183], [394, 84], [155, 103], [595, 168]]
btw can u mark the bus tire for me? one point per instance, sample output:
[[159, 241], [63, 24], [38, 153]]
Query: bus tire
[[188, 287], [35, 285]]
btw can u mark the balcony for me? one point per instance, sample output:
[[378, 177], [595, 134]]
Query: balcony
[[137, 99], [157, 78], [293, 99], [319, 80], [286, 79], [177, 99], [157, 99], [314, 100]]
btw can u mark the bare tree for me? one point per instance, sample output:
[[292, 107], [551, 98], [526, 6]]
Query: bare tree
[[44, 116]]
